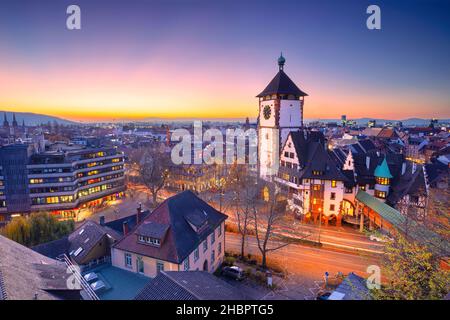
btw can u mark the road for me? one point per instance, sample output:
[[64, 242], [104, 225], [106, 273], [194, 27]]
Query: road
[[339, 237], [307, 261]]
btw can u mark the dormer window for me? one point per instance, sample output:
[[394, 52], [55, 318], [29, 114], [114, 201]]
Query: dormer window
[[149, 240], [151, 233]]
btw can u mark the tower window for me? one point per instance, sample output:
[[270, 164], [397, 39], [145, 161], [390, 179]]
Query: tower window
[[333, 183]]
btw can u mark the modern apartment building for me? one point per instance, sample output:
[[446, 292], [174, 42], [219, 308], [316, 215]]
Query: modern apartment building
[[61, 181]]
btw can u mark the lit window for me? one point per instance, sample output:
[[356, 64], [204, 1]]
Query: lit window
[[380, 194], [333, 183]]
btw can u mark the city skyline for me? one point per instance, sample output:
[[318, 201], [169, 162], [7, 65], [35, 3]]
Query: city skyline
[[210, 60]]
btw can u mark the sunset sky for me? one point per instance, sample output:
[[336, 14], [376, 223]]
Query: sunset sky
[[209, 59]]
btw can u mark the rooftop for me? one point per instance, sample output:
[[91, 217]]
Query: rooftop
[[188, 285], [282, 84], [180, 237], [119, 284], [28, 275], [353, 287]]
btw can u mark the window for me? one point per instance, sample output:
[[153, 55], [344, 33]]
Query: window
[[382, 181], [348, 190], [213, 237], [219, 230], [380, 194], [333, 196], [333, 183], [291, 155], [219, 248], [196, 254], [316, 187], [331, 207], [128, 261], [286, 154], [213, 256], [140, 265], [141, 238], [159, 266], [186, 264], [205, 245]]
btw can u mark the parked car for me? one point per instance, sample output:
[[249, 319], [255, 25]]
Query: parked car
[[323, 296], [233, 272]]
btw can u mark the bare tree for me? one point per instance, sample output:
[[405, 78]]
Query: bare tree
[[245, 192], [154, 171], [266, 217]]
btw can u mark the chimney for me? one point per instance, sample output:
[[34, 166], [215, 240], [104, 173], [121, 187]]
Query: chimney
[[102, 220], [367, 162], [138, 213], [125, 228]]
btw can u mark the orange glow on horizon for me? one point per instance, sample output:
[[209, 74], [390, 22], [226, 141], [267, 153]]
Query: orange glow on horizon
[[105, 91]]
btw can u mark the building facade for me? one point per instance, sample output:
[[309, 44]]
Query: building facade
[[280, 112], [60, 181], [183, 234]]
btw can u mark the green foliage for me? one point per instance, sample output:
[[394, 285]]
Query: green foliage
[[37, 228], [412, 272]]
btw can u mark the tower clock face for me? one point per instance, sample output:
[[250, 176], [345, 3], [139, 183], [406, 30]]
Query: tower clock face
[[267, 112]]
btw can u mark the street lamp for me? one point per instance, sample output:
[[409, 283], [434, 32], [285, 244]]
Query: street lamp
[[320, 221]]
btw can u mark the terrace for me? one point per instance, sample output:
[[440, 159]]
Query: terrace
[[112, 283]]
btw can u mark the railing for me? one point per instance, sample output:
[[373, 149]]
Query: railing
[[95, 263], [83, 283]]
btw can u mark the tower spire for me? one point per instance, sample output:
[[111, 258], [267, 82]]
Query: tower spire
[[281, 61], [5, 121], [14, 123]]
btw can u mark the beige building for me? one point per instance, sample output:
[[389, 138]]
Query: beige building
[[183, 234]]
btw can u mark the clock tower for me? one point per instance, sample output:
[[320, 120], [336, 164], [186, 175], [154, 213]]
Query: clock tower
[[280, 111]]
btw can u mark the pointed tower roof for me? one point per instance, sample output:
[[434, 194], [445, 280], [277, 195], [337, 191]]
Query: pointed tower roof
[[382, 170], [14, 122], [281, 83], [5, 120]]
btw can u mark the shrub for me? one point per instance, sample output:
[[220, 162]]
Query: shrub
[[229, 261], [260, 277]]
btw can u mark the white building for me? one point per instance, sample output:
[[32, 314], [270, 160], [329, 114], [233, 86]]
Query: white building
[[280, 112]]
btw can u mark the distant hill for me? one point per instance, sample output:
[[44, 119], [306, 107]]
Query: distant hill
[[363, 121], [32, 119]]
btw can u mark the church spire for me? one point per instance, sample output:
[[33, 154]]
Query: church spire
[[14, 123], [5, 121]]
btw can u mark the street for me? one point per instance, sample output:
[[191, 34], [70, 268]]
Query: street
[[307, 261]]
